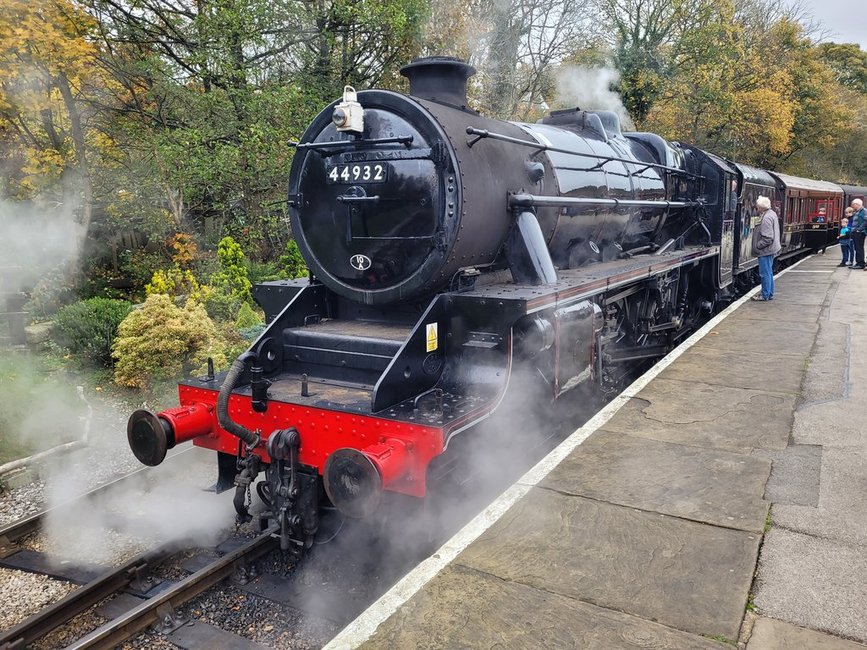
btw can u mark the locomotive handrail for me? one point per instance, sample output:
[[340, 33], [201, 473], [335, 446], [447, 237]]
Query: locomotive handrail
[[484, 133], [347, 198], [536, 201], [400, 139]]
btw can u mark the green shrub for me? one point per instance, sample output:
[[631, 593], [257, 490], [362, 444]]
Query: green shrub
[[88, 328], [236, 344], [55, 289], [263, 271], [220, 305], [291, 263], [247, 317], [162, 340], [139, 266], [176, 283], [232, 277]]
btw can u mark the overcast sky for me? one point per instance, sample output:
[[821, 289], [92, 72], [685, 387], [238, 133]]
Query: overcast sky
[[847, 19]]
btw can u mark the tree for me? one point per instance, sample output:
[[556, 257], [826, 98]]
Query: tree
[[515, 45], [756, 95], [214, 90], [645, 39], [203, 94], [359, 42], [721, 97], [848, 63], [49, 80], [820, 118]]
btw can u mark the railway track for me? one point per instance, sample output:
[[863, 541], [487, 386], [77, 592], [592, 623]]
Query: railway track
[[157, 601]]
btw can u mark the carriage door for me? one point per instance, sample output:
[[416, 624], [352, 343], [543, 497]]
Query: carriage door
[[727, 241]]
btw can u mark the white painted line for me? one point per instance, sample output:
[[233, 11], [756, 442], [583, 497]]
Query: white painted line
[[805, 271], [363, 627]]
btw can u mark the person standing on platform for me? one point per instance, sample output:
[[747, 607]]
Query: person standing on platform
[[766, 246], [845, 239], [859, 231]]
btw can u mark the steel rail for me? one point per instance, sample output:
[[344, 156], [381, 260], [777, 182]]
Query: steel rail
[[49, 618], [154, 609]]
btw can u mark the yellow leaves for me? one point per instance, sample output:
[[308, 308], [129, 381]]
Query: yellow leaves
[[769, 113], [162, 339], [46, 38], [48, 70], [47, 163], [751, 92], [103, 143]]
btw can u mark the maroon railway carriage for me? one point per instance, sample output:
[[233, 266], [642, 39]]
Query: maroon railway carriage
[[810, 212]]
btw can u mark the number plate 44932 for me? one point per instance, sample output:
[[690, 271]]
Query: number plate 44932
[[357, 173]]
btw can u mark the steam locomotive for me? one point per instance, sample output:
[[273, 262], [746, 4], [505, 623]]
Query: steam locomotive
[[450, 252]]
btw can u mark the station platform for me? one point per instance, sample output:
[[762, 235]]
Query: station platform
[[720, 501]]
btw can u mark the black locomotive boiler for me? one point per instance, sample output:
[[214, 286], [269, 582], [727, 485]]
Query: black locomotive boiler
[[449, 253]]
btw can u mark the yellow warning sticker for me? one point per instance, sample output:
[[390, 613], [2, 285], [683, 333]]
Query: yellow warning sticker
[[432, 337]]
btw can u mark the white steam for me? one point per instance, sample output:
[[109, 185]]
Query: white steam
[[590, 88], [35, 238], [164, 504]]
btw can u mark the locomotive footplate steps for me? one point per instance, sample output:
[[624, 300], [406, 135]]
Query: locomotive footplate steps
[[645, 528]]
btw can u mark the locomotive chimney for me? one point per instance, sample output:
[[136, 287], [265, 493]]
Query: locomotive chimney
[[440, 79]]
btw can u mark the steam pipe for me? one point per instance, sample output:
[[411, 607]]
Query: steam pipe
[[234, 375]]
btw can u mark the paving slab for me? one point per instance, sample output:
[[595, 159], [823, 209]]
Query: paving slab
[[770, 372], [813, 582], [689, 576], [708, 485], [800, 292], [770, 634], [830, 424], [743, 336], [729, 418], [779, 311], [464, 608]]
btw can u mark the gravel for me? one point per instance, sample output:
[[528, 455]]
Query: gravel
[[22, 594], [261, 620]]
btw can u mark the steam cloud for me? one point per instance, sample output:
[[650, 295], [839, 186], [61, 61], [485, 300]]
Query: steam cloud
[[590, 88], [34, 239], [166, 504]]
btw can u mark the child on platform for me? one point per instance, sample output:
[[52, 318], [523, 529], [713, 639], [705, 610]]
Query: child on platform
[[846, 247]]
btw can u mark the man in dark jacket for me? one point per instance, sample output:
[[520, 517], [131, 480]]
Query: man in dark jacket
[[858, 224], [766, 246]]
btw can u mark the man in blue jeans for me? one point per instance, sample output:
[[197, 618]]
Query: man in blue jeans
[[766, 246], [859, 231]]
